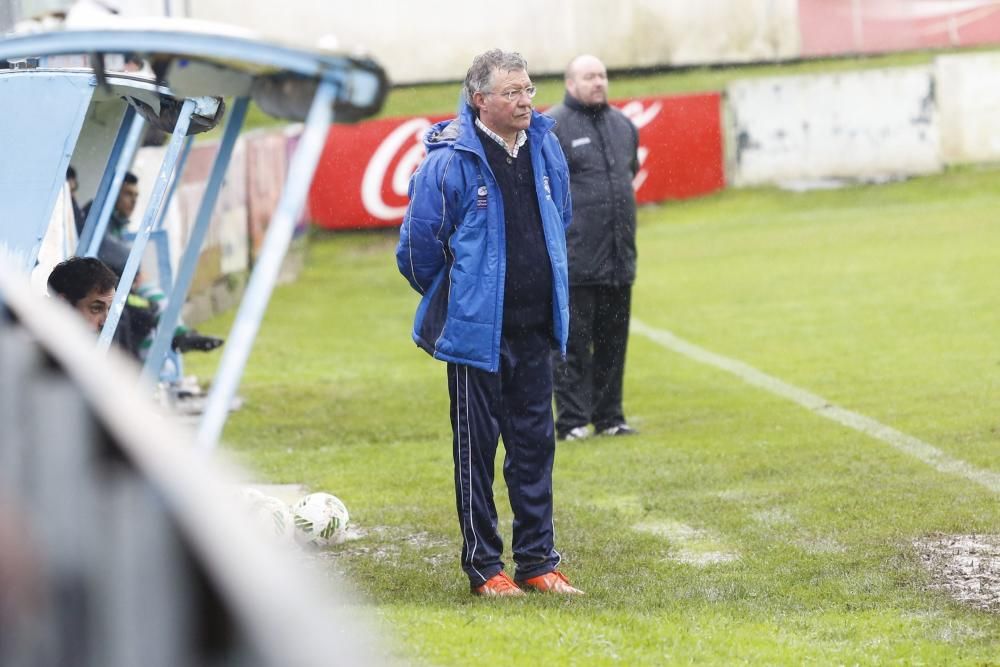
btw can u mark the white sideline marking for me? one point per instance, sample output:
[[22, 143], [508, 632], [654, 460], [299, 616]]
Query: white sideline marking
[[907, 444]]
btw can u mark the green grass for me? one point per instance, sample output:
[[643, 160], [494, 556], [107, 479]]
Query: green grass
[[882, 299]]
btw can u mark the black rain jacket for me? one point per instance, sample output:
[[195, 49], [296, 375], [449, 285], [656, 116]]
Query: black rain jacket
[[601, 146]]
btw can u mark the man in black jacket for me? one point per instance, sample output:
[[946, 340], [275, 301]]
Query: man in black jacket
[[601, 146]]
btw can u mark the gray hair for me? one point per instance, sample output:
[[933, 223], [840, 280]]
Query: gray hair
[[479, 76]]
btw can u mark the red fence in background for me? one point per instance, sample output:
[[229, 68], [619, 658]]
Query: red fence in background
[[680, 145], [837, 27], [362, 177]]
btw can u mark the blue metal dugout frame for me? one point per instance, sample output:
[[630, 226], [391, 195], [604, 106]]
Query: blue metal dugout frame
[[122, 154], [150, 217], [286, 82], [265, 273], [36, 140], [189, 261]]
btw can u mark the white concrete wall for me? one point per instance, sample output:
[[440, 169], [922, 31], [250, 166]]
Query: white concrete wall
[[968, 95], [855, 125], [435, 40]]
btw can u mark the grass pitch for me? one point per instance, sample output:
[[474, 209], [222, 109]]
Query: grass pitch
[[738, 528]]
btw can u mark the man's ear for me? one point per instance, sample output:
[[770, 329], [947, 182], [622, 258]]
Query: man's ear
[[478, 101]]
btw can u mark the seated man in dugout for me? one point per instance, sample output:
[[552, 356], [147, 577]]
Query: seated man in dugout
[[146, 300], [114, 249], [87, 285]]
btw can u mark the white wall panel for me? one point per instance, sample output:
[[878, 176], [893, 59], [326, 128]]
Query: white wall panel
[[854, 125], [968, 94], [682, 32], [435, 40]]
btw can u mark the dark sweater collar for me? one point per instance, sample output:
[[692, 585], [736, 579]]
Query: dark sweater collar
[[577, 105]]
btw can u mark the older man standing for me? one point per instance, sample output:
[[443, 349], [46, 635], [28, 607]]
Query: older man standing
[[601, 146], [483, 242]]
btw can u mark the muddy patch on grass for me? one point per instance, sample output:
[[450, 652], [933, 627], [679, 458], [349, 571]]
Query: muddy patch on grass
[[384, 543], [967, 567]]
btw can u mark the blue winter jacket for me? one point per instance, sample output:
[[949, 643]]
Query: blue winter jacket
[[452, 246]]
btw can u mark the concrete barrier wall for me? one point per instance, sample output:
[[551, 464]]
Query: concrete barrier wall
[[852, 125], [437, 39], [434, 40], [968, 97]]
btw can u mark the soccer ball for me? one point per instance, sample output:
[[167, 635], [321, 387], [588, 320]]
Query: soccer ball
[[272, 517], [320, 520]]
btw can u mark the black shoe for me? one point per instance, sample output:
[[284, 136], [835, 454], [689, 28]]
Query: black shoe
[[192, 340]]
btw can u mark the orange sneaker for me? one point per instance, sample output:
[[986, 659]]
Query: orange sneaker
[[499, 586], [551, 582]]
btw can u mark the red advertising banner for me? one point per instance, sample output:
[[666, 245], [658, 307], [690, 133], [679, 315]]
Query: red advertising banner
[[362, 177], [834, 27]]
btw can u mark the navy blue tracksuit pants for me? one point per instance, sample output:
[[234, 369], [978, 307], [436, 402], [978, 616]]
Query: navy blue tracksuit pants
[[515, 403]]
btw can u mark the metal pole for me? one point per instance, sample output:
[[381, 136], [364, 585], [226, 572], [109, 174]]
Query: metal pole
[[108, 205], [265, 273], [152, 213], [181, 163], [97, 203], [189, 261]]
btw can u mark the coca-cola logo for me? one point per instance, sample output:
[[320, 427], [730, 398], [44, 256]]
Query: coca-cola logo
[[400, 152], [641, 116]]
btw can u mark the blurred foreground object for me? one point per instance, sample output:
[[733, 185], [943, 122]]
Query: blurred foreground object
[[119, 546]]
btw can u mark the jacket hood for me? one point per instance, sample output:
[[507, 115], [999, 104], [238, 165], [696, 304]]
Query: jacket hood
[[461, 131], [441, 134]]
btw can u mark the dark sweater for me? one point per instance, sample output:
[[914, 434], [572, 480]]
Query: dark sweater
[[527, 300]]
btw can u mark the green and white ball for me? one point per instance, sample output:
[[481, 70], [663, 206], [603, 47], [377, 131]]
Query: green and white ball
[[320, 520]]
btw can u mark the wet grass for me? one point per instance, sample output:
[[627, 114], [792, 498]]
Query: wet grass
[[884, 299]]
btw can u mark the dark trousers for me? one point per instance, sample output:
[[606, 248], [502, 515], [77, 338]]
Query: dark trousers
[[515, 403], [588, 384]]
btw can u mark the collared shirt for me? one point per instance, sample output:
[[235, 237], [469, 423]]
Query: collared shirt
[[522, 136]]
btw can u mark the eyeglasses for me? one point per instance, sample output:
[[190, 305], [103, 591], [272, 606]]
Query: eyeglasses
[[515, 94]]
